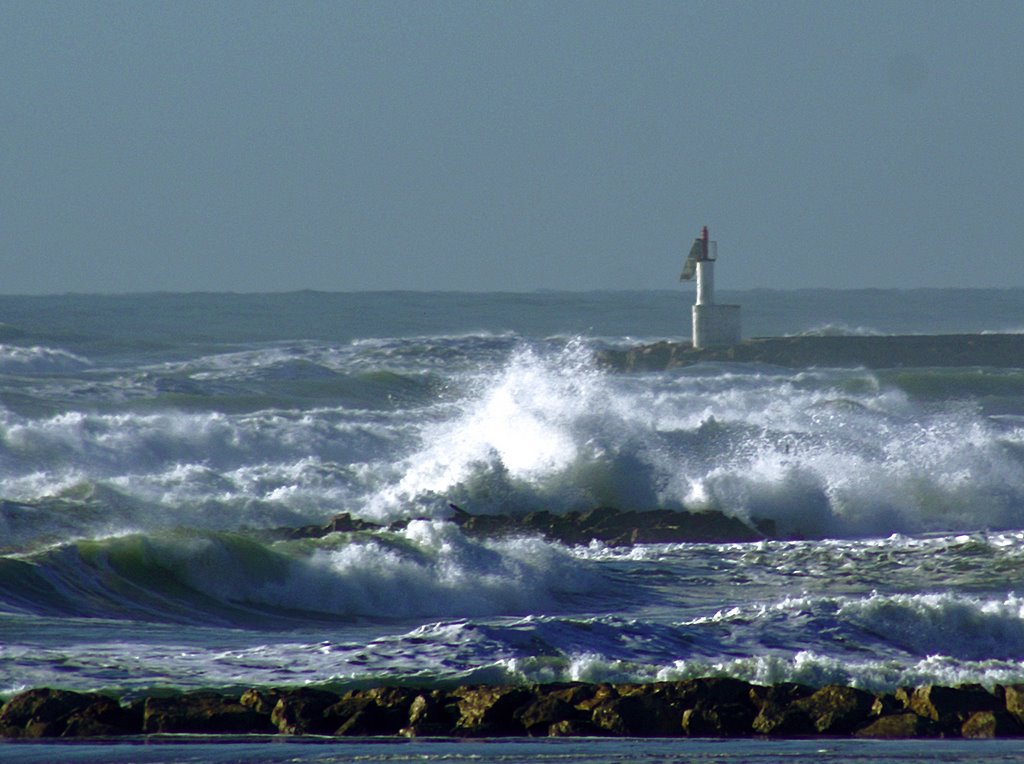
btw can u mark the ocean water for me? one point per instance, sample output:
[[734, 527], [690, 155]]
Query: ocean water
[[519, 751], [149, 444]]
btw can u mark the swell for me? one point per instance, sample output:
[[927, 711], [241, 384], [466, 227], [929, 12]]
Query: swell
[[426, 570]]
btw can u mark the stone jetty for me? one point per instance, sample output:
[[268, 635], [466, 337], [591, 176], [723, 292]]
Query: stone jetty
[[715, 707], [873, 352]]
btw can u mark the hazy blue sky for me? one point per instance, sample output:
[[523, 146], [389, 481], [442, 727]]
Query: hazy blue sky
[[508, 146]]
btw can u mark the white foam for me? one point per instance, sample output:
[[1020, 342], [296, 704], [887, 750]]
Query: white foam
[[428, 570], [946, 624], [820, 452], [15, 359], [839, 330]]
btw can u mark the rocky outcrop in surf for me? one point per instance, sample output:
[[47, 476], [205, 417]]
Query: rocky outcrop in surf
[[709, 707], [607, 525]]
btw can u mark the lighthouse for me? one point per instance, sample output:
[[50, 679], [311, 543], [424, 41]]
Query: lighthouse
[[714, 325]]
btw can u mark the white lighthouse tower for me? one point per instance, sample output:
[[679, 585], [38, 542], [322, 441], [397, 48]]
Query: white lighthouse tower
[[714, 325]]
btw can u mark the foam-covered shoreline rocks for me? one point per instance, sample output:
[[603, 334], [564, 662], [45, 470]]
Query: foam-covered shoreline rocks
[[710, 707], [610, 526]]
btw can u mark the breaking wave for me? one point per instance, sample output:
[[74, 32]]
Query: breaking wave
[[430, 569], [822, 453], [15, 359]]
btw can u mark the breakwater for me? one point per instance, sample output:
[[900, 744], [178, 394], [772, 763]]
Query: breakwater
[[709, 707], [875, 352], [607, 525]]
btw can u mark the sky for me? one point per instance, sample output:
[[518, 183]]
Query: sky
[[508, 146]]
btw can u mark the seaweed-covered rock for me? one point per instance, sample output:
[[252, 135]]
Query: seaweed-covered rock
[[989, 724], [261, 701], [431, 714], [898, 726], [588, 697], [45, 712], [301, 711], [837, 710], [714, 689], [718, 720], [1013, 701], [707, 707], [379, 711], [490, 711], [777, 713], [576, 728], [886, 703], [538, 716], [951, 706], [639, 714], [203, 713]]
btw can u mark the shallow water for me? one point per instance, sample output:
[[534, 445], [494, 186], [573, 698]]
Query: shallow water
[[518, 751]]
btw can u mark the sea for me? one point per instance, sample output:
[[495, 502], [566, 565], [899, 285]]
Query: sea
[[153, 446]]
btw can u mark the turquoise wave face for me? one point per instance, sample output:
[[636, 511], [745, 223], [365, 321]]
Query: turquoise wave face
[[427, 570]]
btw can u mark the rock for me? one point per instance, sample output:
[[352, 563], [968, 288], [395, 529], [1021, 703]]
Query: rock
[[589, 700], [483, 525], [45, 712], [712, 706], [951, 706], [345, 523], [1013, 701], [431, 715], [202, 713], [605, 524], [340, 523], [886, 704], [104, 718], [301, 711], [707, 707], [718, 720], [489, 711], [576, 728], [261, 701], [715, 689], [837, 710], [579, 694], [538, 716], [903, 696], [380, 711], [612, 526], [639, 714], [898, 726], [989, 724], [777, 713]]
